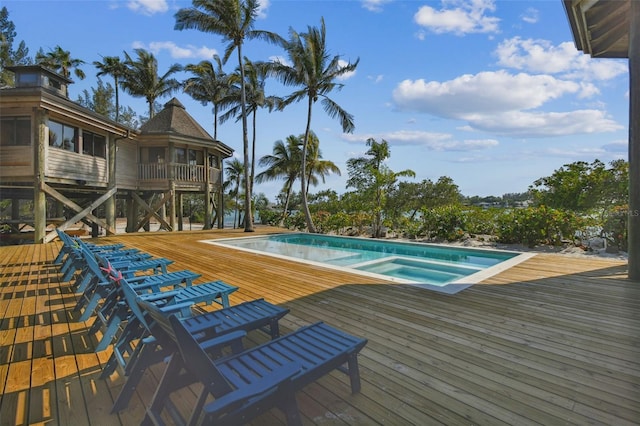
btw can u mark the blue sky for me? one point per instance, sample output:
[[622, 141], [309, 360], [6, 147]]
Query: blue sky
[[493, 94]]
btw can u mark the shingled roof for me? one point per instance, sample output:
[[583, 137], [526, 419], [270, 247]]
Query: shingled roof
[[174, 120]]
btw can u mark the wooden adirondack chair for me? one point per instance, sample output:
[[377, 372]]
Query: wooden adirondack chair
[[246, 384], [103, 283], [154, 345], [105, 299], [69, 244]]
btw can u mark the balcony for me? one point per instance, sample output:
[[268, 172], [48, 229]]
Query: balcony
[[148, 172]]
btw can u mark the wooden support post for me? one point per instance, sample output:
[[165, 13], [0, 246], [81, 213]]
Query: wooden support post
[[110, 204], [15, 208], [634, 143], [180, 210], [172, 207], [208, 217], [39, 196], [132, 213], [220, 208], [220, 194]]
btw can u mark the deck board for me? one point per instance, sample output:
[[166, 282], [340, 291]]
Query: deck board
[[552, 340]]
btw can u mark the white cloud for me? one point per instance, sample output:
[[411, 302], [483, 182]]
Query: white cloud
[[541, 56], [178, 52], [504, 104], [376, 78], [429, 140], [148, 7], [263, 5], [374, 5], [530, 16], [459, 17], [544, 124], [486, 92]]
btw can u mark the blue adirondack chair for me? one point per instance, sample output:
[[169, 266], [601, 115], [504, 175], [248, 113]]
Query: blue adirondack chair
[[104, 277], [69, 244], [246, 384], [75, 260], [153, 346]]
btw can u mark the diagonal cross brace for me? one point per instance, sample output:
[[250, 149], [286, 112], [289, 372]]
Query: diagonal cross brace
[[82, 213], [152, 211]]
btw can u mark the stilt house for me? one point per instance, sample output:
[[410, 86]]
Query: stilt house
[[73, 163]]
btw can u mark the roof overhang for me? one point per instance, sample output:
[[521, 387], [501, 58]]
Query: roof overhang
[[600, 27]]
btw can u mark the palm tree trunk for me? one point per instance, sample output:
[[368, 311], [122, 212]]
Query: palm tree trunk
[[248, 219], [150, 101], [235, 214], [286, 205], [253, 150], [115, 80], [303, 171]]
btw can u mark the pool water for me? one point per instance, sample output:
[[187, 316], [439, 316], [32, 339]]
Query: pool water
[[404, 262]]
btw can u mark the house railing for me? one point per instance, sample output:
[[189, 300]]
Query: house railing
[[179, 172]]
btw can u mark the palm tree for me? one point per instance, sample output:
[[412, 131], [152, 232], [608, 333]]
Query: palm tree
[[142, 78], [283, 163], [256, 74], [316, 72], [316, 166], [234, 171], [111, 65], [60, 60], [208, 84], [234, 21], [374, 177]]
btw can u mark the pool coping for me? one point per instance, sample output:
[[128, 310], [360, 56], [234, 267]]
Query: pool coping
[[449, 288]]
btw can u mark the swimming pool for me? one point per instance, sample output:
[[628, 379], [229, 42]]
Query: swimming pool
[[442, 268]]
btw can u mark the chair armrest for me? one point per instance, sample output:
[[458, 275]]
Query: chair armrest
[[220, 341], [235, 399]]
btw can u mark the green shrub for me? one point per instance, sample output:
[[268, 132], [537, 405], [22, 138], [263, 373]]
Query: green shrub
[[269, 216], [296, 221], [614, 228], [444, 223], [537, 225], [481, 221]]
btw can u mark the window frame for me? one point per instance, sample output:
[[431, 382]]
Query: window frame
[[61, 145], [89, 144], [15, 138]]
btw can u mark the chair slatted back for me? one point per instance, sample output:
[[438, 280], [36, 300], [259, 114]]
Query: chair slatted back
[[131, 298], [197, 361]]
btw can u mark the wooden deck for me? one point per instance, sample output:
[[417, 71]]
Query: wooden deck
[[554, 340]]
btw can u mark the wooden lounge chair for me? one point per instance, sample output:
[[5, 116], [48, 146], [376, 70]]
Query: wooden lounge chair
[[153, 346], [102, 282], [69, 244], [248, 383]]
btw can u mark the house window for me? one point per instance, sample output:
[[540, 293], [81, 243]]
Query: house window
[[63, 136], [26, 79], [156, 154], [93, 144], [181, 155], [196, 158], [15, 131]]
